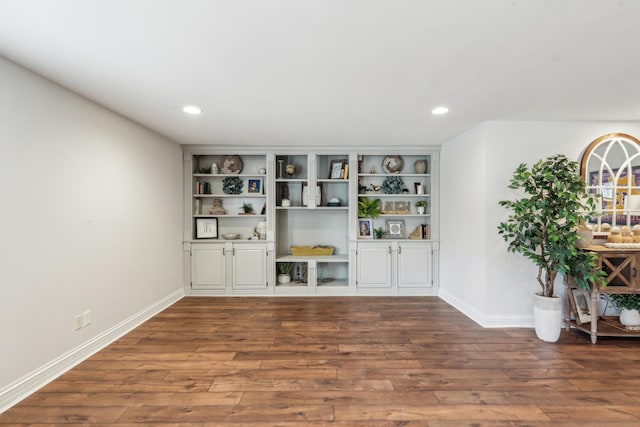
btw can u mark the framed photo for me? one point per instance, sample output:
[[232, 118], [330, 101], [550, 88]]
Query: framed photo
[[365, 228], [254, 185], [339, 169], [395, 228], [206, 228], [581, 302]]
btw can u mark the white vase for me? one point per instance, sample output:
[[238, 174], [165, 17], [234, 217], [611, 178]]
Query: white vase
[[420, 210], [629, 317], [547, 316], [284, 278]]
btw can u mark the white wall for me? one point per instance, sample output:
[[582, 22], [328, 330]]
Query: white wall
[[90, 218], [477, 275]]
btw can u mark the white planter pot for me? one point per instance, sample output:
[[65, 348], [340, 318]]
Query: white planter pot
[[547, 316], [629, 317], [420, 210], [284, 278]]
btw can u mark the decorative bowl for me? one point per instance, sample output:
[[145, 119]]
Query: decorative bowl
[[230, 236]]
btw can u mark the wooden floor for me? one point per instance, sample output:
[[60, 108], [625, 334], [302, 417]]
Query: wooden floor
[[345, 361]]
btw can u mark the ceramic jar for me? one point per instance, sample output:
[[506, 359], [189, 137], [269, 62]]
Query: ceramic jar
[[420, 166]]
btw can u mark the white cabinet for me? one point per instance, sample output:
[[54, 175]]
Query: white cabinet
[[374, 265], [208, 267], [228, 268], [394, 267], [249, 266]]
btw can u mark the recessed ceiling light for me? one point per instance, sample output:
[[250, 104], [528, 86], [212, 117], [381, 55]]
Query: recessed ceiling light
[[191, 109], [440, 110]]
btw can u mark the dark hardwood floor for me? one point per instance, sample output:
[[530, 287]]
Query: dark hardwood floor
[[343, 361]]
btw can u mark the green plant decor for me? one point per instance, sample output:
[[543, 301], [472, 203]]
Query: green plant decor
[[393, 185], [422, 203], [247, 208], [379, 232], [284, 267], [368, 208], [543, 223], [628, 301], [232, 185]]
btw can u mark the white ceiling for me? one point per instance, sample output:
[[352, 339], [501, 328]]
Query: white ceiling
[[302, 72]]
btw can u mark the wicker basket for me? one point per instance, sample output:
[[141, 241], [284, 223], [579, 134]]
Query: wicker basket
[[312, 250]]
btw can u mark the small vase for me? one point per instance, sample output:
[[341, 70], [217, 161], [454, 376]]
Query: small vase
[[629, 317], [420, 210], [420, 166]]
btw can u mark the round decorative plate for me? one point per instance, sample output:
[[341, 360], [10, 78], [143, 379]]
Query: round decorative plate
[[392, 164], [231, 164]]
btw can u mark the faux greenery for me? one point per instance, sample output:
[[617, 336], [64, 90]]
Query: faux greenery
[[543, 222], [379, 232], [368, 208], [232, 185], [247, 208], [628, 301], [422, 203], [393, 185], [284, 267]]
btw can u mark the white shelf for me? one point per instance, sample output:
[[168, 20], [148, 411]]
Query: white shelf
[[384, 175], [307, 258], [414, 195], [224, 175], [226, 196], [228, 216]]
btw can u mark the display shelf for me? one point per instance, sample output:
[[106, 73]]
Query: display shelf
[[316, 180], [307, 258], [604, 329]]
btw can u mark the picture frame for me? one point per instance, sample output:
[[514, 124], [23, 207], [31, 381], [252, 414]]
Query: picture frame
[[395, 228], [338, 169], [254, 185], [365, 228], [581, 303], [206, 228]]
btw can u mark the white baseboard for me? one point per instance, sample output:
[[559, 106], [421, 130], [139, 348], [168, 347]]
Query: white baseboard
[[20, 389], [484, 320]]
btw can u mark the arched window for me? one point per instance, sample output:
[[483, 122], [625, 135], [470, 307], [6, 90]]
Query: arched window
[[611, 167]]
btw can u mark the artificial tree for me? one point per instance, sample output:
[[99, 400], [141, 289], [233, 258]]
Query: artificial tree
[[543, 223]]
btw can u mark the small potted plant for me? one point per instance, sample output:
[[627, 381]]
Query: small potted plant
[[247, 208], [379, 232], [629, 306], [422, 206], [284, 271]]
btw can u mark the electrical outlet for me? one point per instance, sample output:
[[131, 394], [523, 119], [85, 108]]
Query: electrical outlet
[[86, 318], [79, 322]]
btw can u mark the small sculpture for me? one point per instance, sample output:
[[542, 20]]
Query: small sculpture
[[217, 208]]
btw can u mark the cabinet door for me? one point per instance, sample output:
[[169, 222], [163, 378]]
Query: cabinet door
[[207, 266], [414, 265], [249, 266], [374, 265], [621, 270]]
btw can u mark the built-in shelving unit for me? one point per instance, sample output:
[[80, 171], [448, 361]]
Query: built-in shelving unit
[[305, 198]]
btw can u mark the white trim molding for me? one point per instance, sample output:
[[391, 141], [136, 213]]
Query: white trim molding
[[484, 320], [23, 387]]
